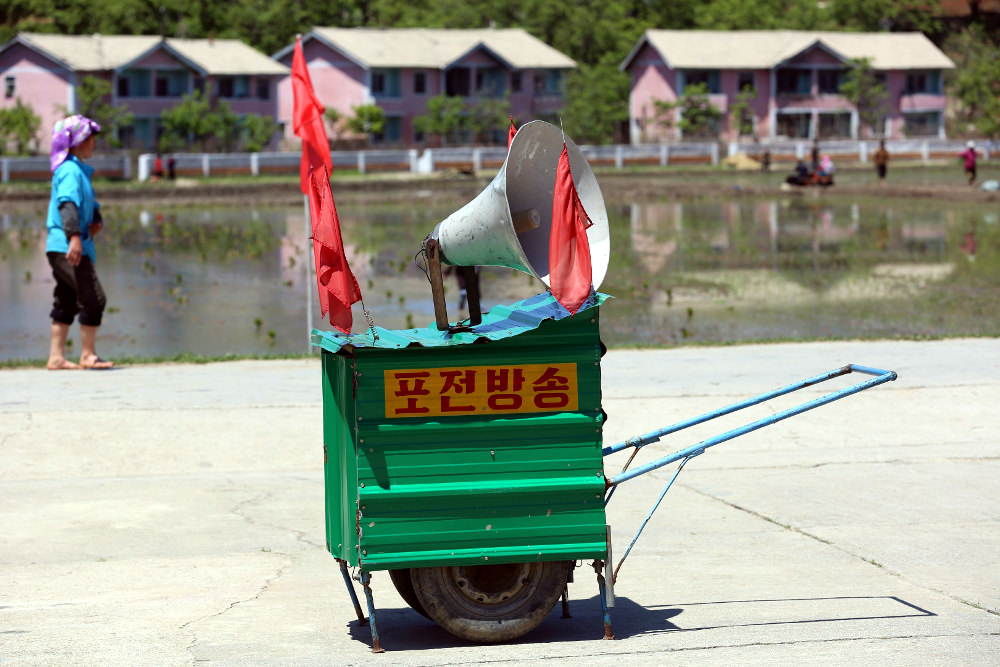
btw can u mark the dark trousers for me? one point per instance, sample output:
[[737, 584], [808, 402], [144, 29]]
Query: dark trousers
[[77, 291]]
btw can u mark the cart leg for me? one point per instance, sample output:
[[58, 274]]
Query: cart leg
[[602, 585], [565, 603], [366, 579], [354, 596]]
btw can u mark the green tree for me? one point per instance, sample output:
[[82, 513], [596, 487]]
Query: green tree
[[93, 95], [368, 119], [975, 83], [596, 109], [488, 119], [863, 88], [226, 126], [699, 117], [257, 132], [741, 113], [445, 118], [19, 124], [877, 15], [194, 124], [760, 15]]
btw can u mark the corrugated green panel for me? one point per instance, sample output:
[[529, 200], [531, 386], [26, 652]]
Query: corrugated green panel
[[502, 321], [340, 468], [490, 487]]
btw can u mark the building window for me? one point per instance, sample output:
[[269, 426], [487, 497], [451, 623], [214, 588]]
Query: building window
[[170, 83], [515, 82], [707, 77], [137, 135], [456, 82], [835, 125], [829, 80], [549, 82], [745, 81], [794, 125], [490, 82], [419, 83], [922, 124], [392, 131], [234, 86], [385, 82], [793, 81], [9, 86], [923, 82], [134, 83], [263, 89]]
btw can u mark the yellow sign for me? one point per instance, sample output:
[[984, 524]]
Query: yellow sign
[[480, 390]]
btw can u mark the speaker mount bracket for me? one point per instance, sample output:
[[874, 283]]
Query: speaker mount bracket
[[432, 250]]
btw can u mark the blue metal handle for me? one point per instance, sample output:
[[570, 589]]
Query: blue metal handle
[[642, 440]]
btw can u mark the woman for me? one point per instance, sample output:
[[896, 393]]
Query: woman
[[969, 162], [74, 218]]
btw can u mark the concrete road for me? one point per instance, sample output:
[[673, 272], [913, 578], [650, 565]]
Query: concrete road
[[171, 515]]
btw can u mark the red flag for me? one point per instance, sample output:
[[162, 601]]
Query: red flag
[[570, 273], [307, 120], [338, 288], [511, 133]]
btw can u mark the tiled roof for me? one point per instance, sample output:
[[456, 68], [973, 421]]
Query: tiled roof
[[766, 49], [92, 53], [437, 49]]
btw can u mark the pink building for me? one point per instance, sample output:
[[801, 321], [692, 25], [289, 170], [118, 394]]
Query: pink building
[[795, 76], [147, 74], [400, 69]]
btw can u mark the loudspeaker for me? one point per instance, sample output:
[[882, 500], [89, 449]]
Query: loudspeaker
[[509, 222]]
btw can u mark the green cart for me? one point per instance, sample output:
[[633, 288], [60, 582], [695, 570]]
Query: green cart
[[468, 465]]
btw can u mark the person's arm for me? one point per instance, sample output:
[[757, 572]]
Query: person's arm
[[71, 226], [98, 222]]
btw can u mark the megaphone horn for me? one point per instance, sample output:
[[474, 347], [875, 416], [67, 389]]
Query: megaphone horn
[[509, 222]]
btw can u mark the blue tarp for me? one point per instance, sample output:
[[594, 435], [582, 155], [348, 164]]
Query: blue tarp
[[500, 322]]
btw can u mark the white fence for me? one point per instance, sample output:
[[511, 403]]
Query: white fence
[[36, 168], [476, 159]]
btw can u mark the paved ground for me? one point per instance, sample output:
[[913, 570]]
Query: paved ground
[[168, 515]]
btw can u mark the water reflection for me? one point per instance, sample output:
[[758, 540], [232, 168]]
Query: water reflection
[[233, 280]]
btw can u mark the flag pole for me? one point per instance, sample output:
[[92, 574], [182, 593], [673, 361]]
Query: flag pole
[[310, 269]]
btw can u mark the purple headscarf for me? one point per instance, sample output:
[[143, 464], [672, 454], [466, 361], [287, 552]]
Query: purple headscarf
[[68, 133]]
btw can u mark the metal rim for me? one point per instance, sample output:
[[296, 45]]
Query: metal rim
[[492, 590]]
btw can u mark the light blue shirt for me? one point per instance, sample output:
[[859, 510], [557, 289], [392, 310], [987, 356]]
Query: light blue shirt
[[71, 182]]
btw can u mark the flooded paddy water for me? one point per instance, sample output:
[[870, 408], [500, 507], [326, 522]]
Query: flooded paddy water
[[214, 280]]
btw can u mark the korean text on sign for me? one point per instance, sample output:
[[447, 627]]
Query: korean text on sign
[[480, 390]]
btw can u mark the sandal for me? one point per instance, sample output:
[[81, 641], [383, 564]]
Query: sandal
[[95, 363]]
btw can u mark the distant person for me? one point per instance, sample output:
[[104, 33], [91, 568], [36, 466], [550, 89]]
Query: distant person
[[801, 174], [825, 174], [158, 167], [881, 162], [765, 161], [74, 218], [171, 168], [969, 161], [814, 162]]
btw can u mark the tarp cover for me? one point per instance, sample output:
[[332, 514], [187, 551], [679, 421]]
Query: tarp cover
[[500, 322]]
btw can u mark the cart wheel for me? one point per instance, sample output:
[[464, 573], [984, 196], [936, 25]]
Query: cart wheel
[[404, 586], [490, 603]]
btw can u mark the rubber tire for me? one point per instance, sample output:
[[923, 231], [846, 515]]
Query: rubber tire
[[457, 597], [404, 586]]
